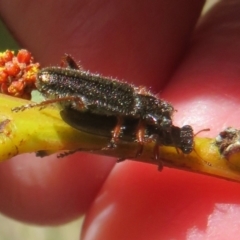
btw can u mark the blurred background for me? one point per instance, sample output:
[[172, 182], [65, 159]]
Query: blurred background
[[13, 230]]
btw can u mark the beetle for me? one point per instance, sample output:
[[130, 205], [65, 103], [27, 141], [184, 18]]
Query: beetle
[[122, 109]]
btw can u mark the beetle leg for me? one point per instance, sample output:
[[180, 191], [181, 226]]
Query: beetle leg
[[116, 133], [156, 154], [68, 61], [140, 138], [48, 102], [70, 152]]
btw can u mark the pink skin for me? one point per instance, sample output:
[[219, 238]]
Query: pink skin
[[146, 42]]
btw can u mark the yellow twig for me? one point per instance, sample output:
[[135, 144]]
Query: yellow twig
[[33, 130]]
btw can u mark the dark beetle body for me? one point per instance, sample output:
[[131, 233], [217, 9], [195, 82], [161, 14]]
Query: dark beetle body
[[104, 96]]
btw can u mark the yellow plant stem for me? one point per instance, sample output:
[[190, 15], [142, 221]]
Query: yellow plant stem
[[33, 130]]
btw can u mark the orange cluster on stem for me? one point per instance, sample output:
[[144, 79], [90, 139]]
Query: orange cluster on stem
[[17, 73]]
